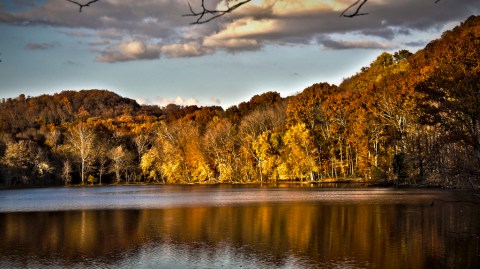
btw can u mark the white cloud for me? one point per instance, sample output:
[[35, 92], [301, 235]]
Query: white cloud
[[130, 50], [181, 101], [215, 101], [142, 101], [189, 49], [241, 34]]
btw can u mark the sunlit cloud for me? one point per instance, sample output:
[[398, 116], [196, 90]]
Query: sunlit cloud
[[231, 44], [241, 34], [179, 100], [130, 50], [189, 49], [295, 8]]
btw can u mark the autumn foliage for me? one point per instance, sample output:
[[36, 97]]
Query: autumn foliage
[[406, 118]]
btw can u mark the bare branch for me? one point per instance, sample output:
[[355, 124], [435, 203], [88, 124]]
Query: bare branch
[[82, 5], [206, 15], [357, 11]]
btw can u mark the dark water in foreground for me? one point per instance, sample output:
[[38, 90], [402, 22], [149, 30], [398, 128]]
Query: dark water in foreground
[[238, 227]]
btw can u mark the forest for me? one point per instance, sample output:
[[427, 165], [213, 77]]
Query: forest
[[404, 119]]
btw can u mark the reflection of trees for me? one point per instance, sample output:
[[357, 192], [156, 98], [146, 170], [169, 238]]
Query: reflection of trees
[[71, 235], [385, 235]]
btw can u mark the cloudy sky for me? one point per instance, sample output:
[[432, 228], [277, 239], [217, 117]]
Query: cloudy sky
[[148, 51]]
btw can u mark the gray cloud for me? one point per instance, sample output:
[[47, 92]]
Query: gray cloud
[[355, 44], [80, 34], [386, 33], [41, 46], [419, 43], [158, 27], [101, 42]]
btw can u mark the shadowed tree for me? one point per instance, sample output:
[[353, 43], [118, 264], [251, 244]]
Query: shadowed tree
[[453, 102], [66, 172]]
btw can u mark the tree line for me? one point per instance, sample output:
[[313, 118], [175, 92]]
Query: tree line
[[406, 118]]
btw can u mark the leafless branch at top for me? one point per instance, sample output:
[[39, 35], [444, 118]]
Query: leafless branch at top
[[357, 11], [206, 15], [82, 5]]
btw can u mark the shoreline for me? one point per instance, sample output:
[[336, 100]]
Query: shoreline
[[353, 183]]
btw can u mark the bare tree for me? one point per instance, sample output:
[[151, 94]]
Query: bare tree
[[357, 11], [205, 15], [80, 5], [81, 139], [357, 6], [67, 169]]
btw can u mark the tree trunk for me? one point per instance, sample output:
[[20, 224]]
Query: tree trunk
[[83, 171], [476, 148]]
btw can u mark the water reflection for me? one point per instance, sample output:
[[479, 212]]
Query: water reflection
[[260, 235]]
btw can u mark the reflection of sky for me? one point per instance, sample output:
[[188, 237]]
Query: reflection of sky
[[156, 57], [224, 255], [142, 197]]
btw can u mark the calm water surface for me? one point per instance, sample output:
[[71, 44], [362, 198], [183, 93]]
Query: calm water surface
[[235, 226]]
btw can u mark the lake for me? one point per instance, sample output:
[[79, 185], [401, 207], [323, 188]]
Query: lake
[[238, 226]]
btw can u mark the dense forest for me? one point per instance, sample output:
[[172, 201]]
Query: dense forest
[[405, 119]]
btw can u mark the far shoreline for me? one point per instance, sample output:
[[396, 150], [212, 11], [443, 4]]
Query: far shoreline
[[328, 183]]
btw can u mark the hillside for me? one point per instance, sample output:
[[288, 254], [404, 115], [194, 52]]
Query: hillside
[[67, 106], [406, 118]]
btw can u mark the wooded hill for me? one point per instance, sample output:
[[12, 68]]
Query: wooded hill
[[406, 118]]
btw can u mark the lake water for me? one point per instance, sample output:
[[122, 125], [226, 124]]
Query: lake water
[[237, 226]]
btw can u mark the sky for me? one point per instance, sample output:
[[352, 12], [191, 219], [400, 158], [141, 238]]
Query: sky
[[146, 50]]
